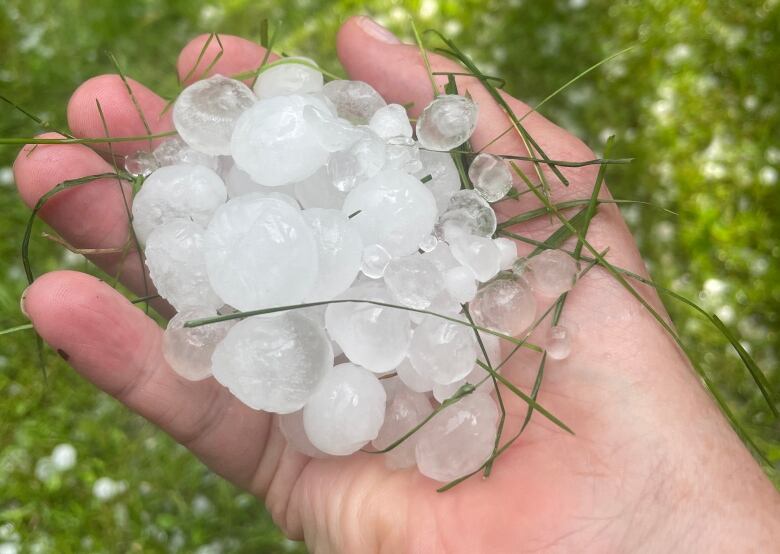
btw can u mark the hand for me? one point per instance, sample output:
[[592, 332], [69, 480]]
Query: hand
[[653, 465]]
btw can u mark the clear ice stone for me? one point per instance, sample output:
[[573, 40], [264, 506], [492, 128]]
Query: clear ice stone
[[558, 342], [238, 183], [346, 411], [447, 122], [188, 192], [403, 153], [391, 121], [552, 272], [188, 350], [332, 133], [459, 439], [140, 163], [374, 262], [490, 177], [288, 76], [355, 101], [318, 191], [364, 159], [507, 249], [445, 179], [205, 112], [478, 254], [273, 363], [375, 337], [273, 143], [504, 305], [414, 281], [291, 427], [443, 350], [260, 253], [460, 282], [396, 211], [412, 378], [175, 151], [466, 214], [428, 243], [340, 251], [405, 410], [177, 265]]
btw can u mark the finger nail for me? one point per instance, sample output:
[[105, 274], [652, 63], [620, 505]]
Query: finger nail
[[378, 32], [21, 303]]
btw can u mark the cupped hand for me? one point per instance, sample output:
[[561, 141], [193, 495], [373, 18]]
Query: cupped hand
[[653, 466]]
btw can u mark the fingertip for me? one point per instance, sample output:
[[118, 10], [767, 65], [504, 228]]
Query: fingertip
[[238, 55]]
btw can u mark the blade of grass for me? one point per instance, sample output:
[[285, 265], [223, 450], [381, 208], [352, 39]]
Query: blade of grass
[[11, 330], [133, 99]]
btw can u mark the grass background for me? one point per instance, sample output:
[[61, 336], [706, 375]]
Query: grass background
[[696, 104]]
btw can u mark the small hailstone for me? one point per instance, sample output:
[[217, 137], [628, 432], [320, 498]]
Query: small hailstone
[[507, 248], [364, 159], [340, 251], [140, 163], [405, 410], [443, 350], [175, 151], [273, 363], [447, 122], [558, 342], [332, 133], [552, 272], [205, 112], [428, 243], [260, 253], [291, 427], [187, 192], [63, 457], [396, 211], [287, 76], [318, 191], [414, 281], [445, 178], [403, 153], [273, 143], [346, 411], [391, 121], [413, 378], [374, 261], [355, 101], [490, 177], [188, 350], [479, 254], [238, 183], [459, 439], [177, 265], [520, 267], [460, 282], [466, 214], [504, 305], [375, 337]]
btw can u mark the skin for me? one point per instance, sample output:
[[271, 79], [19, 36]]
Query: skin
[[653, 467]]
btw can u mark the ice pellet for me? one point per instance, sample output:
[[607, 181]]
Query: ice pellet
[[507, 249], [552, 272], [504, 305], [428, 243], [188, 350], [355, 101], [391, 121], [375, 260], [293, 75], [361, 161], [405, 409], [443, 350], [558, 342], [140, 163], [414, 281], [447, 122], [490, 176], [479, 254], [461, 283], [175, 151], [467, 214]]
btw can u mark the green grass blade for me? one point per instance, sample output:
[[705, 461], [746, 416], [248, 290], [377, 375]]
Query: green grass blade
[[11, 330]]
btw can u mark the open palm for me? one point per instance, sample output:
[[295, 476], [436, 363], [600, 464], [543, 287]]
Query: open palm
[[651, 466]]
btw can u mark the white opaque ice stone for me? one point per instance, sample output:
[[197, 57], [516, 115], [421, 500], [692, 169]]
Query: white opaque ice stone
[[177, 265], [139, 163], [403, 153], [374, 262], [412, 378], [340, 251], [175, 151], [205, 112], [447, 122], [490, 176], [273, 143], [445, 179], [346, 411], [414, 281], [291, 427], [187, 192], [364, 159], [551, 272], [466, 214], [443, 350], [461, 283], [260, 253], [504, 305], [318, 191], [293, 75], [507, 249], [405, 410], [391, 121], [459, 439], [333, 133], [479, 254], [273, 363], [188, 350], [375, 337], [239, 183], [396, 211], [355, 101], [558, 342]]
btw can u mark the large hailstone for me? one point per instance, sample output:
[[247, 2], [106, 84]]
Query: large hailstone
[[504, 305], [188, 350], [376, 337], [260, 253], [443, 350], [391, 121], [447, 122], [205, 113], [273, 363], [175, 258], [289, 76], [552, 272], [414, 280], [346, 411], [340, 250], [459, 439], [396, 211], [355, 101], [405, 410], [466, 214], [187, 192], [479, 254], [273, 143]]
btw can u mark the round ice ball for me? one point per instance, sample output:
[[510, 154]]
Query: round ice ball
[[346, 411], [273, 363], [395, 209], [447, 122], [405, 409], [414, 280], [355, 101], [504, 305], [205, 112], [490, 176], [391, 121], [273, 143], [187, 192], [466, 214], [260, 253], [551, 272], [443, 350], [479, 254], [292, 75], [188, 350]]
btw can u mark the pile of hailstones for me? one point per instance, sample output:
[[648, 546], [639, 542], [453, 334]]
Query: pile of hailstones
[[299, 192]]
